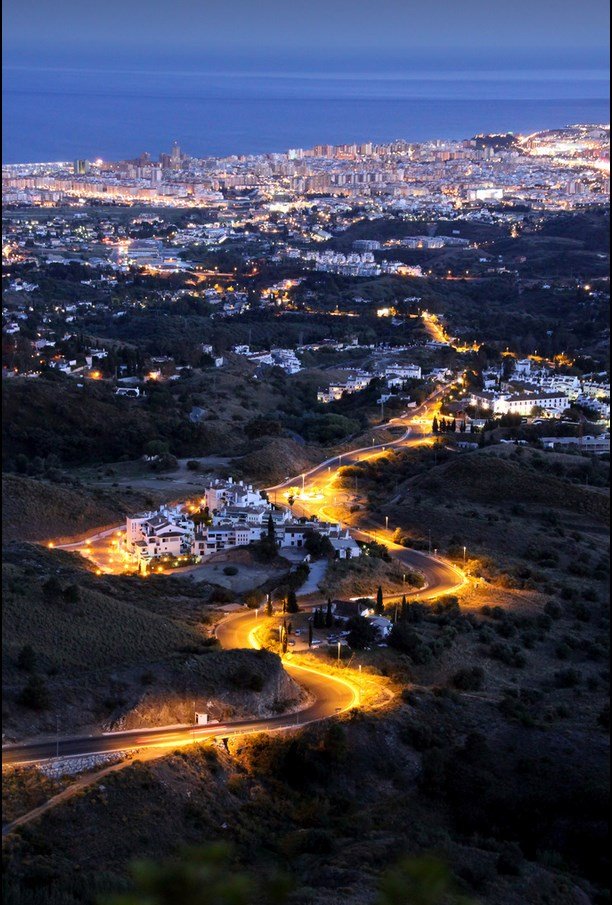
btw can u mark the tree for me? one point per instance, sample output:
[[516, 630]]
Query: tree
[[329, 616], [271, 532], [292, 604], [269, 609], [379, 607], [310, 634], [361, 633], [435, 427], [26, 659], [156, 448], [317, 544], [35, 695]]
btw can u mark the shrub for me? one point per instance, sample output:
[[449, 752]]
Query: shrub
[[567, 678], [26, 658], [35, 695], [468, 679], [510, 860], [72, 594], [230, 570]]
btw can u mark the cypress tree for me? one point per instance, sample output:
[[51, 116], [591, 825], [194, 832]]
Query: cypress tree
[[292, 604], [380, 605], [310, 634], [329, 618], [435, 427], [271, 531]]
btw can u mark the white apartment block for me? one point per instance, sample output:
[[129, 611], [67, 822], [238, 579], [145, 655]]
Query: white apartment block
[[552, 403]]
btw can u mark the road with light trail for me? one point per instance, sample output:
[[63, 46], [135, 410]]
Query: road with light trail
[[328, 694]]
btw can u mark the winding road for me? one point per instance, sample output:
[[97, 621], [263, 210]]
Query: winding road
[[328, 694]]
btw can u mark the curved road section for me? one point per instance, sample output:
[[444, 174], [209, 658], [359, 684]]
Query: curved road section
[[328, 694]]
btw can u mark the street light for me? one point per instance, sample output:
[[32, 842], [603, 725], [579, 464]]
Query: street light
[[387, 522], [464, 550], [339, 643]]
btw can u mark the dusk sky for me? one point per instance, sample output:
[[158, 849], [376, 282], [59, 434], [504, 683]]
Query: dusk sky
[[559, 33]]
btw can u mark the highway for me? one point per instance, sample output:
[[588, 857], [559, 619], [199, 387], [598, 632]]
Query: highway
[[328, 694]]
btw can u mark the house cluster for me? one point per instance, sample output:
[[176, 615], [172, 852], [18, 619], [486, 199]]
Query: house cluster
[[280, 358], [230, 514], [428, 242], [357, 264], [394, 375], [533, 387]]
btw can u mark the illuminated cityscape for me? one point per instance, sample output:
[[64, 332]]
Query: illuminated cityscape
[[306, 447]]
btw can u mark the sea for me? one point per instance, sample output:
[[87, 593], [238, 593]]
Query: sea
[[63, 113]]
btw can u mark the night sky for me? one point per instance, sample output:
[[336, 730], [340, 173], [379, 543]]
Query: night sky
[[521, 33]]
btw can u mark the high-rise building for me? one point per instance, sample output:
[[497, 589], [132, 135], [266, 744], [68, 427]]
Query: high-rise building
[[81, 167]]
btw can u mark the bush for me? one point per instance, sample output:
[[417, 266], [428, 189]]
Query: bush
[[72, 593], [230, 570], [468, 679], [193, 465], [26, 658], [510, 860], [245, 680], [35, 695], [567, 678]]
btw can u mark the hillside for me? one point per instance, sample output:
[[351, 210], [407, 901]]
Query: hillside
[[111, 651], [336, 805], [38, 510], [276, 459], [491, 477], [84, 424], [362, 576]]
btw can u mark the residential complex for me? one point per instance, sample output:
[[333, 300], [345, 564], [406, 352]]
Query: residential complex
[[229, 514]]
